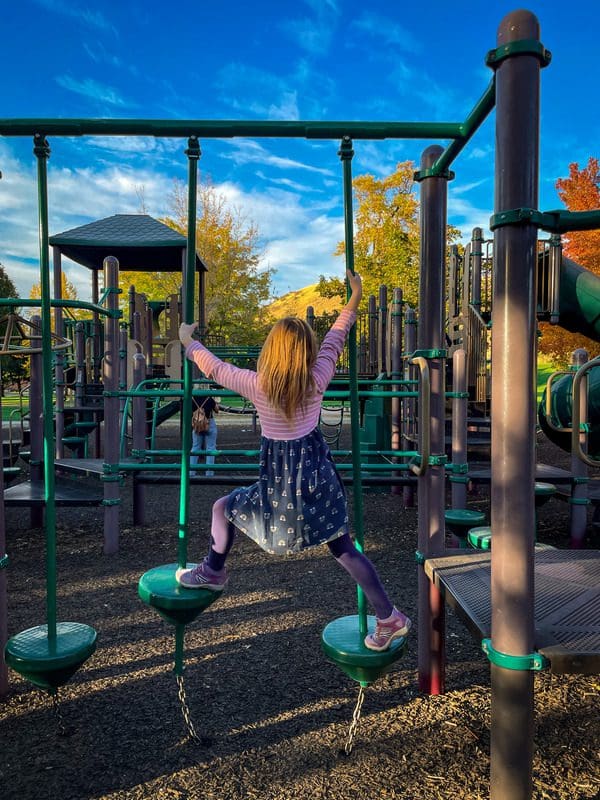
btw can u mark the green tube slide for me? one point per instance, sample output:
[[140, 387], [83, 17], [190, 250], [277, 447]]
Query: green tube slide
[[579, 313]]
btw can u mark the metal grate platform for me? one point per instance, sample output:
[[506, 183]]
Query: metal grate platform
[[567, 602], [480, 473], [67, 493]]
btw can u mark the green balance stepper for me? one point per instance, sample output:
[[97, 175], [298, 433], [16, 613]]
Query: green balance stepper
[[342, 642], [50, 662], [178, 605], [459, 520], [481, 538], [543, 492]]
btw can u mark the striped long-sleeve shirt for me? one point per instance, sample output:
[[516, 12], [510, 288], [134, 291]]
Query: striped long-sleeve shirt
[[245, 382]]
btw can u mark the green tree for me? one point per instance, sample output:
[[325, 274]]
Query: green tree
[[229, 245], [386, 232], [13, 368]]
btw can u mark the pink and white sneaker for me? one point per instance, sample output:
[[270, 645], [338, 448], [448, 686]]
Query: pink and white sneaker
[[397, 625], [201, 576]]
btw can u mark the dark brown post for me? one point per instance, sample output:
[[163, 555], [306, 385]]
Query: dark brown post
[[459, 428], [111, 407], [408, 406], [513, 407], [396, 372], [431, 485], [372, 314], [579, 468], [138, 424], [382, 331], [36, 433], [475, 269], [59, 358], [96, 354]]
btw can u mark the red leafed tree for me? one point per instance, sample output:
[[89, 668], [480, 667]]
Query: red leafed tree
[[580, 191]]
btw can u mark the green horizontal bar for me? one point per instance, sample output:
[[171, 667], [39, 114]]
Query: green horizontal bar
[[390, 453], [307, 129], [226, 393], [475, 119], [172, 466], [28, 303]]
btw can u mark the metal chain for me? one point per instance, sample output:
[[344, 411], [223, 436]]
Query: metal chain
[[186, 711], [355, 720], [62, 728]]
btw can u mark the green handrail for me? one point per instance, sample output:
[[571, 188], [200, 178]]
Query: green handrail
[[222, 129]]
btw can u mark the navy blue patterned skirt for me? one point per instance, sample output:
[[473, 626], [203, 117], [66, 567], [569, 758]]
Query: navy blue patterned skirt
[[299, 500]]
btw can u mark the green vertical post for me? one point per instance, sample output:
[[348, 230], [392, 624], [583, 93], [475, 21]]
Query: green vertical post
[[346, 153], [41, 150], [193, 154]]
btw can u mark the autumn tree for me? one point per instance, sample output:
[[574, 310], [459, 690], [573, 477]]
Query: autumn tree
[[229, 244], [386, 232], [68, 292], [580, 191]]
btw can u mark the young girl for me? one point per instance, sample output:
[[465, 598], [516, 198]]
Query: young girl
[[299, 500]]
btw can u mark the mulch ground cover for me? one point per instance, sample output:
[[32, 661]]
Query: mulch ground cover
[[271, 712]]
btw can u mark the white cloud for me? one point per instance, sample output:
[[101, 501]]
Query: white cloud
[[314, 33], [92, 89], [93, 19], [387, 32], [247, 151]]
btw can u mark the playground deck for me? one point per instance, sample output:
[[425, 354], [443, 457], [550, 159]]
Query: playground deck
[[567, 602]]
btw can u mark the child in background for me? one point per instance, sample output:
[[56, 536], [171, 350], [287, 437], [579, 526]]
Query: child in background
[[299, 500], [205, 440]]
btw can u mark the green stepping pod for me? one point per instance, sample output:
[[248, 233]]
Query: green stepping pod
[[49, 662], [342, 642], [176, 604]]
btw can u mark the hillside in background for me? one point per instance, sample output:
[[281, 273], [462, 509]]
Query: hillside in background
[[294, 304]]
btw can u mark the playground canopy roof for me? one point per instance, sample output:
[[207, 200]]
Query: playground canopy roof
[[138, 241]]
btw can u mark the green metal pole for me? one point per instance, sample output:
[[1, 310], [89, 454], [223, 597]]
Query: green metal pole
[[473, 122], [41, 151], [308, 129], [193, 154], [345, 153]]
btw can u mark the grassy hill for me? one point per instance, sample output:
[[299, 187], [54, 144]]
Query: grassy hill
[[296, 303]]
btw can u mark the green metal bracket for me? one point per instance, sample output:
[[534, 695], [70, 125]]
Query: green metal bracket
[[579, 501], [551, 221], [578, 481], [458, 395], [533, 661], [111, 473], [429, 354], [346, 151], [439, 460], [4, 561], [458, 469], [459, 479], [419, 557], [516, 216], [115, 501], [421, 174], [531, 47]]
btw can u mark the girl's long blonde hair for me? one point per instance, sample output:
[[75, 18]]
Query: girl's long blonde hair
[[285, 365]]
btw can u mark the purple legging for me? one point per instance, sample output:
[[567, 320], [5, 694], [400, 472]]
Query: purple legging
[[345, 553]]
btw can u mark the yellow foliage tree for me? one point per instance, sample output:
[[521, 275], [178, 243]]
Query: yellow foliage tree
[[229, 245], [386, 232]]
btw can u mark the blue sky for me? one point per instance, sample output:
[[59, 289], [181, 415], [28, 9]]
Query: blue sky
[[313, 59]]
